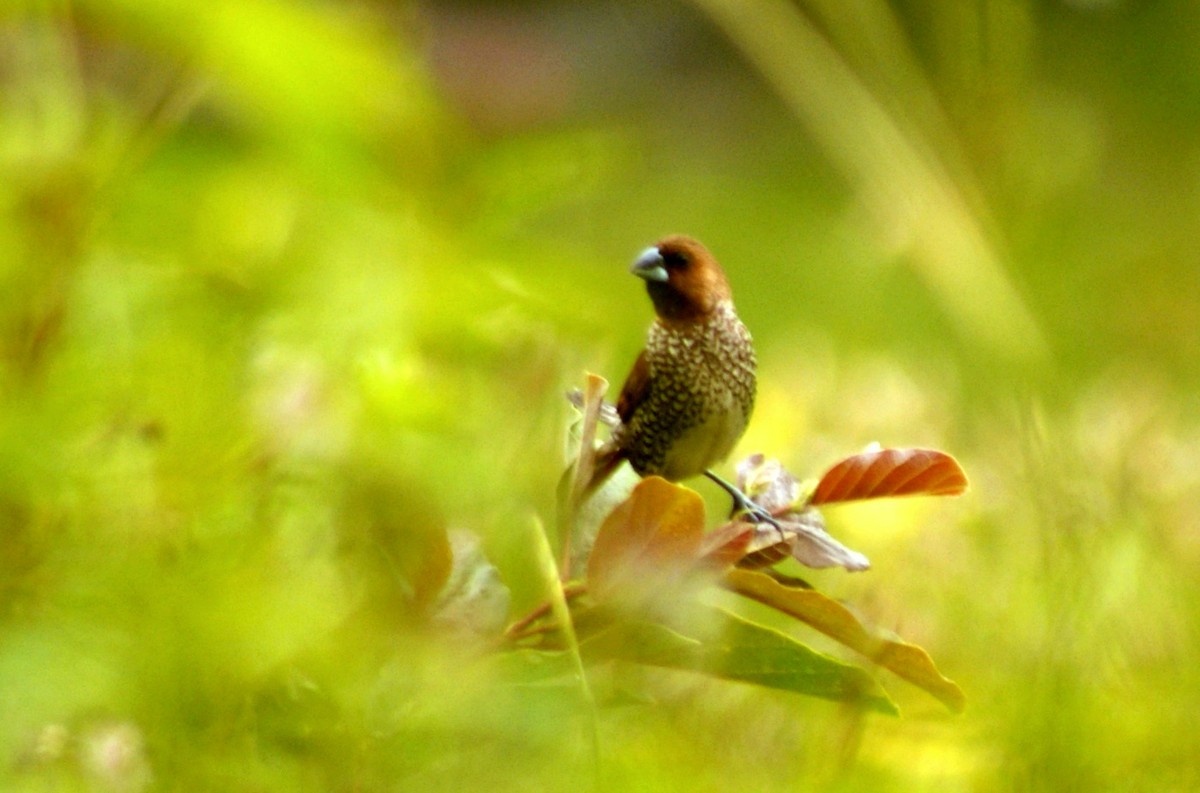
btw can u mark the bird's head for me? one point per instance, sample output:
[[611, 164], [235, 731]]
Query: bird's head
[[684, 280]]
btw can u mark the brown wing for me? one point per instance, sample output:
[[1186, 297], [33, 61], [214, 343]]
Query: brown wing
[[611, 455], [637, 384]]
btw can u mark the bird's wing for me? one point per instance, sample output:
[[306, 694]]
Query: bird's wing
[[633, 393]]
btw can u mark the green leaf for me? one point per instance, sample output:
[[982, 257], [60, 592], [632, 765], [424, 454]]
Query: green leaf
[[836, 621], [726, 646]]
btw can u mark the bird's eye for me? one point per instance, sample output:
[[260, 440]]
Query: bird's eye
[[674, 260]]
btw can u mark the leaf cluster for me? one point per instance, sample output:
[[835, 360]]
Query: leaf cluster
[[644, 594]]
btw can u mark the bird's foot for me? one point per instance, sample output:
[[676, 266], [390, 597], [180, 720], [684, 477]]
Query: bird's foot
[[756, 514], [742, 505]]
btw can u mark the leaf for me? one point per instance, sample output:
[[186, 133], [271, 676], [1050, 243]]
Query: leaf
[[727, 545], [801, 531], [802, 536], [767, 483], [397, 540], [474, 601], [651, 538], [574, 483], [732, 648], [891, 472], [908, 661]]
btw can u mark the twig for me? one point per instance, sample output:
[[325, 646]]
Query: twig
[[518, 630], [593, 397]]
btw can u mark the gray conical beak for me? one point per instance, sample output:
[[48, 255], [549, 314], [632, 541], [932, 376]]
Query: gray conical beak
[[649, 265]]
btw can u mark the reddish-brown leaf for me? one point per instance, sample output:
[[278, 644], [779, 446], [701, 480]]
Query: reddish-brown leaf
[[653, 536], [891, 472], [725, 546], [800, 535]]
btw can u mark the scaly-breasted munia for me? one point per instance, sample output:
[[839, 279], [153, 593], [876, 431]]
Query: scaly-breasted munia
[[690, 393]]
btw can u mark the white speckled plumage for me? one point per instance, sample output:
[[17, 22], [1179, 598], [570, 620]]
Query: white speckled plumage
[[698, 399]]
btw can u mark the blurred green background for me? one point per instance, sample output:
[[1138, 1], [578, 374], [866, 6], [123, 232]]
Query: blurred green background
[[290, 287]]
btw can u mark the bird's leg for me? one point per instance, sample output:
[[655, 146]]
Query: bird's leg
[[742, 503]]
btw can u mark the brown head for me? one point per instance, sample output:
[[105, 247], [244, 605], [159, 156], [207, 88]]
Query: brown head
[[684, 280]]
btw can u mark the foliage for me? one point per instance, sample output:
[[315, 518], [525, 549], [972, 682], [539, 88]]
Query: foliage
[[651, 556], [290, 292]]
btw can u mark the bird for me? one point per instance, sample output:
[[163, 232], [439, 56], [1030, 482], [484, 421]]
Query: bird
[[689, 396]]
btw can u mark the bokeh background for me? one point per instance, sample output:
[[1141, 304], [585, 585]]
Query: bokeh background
[[290, 287]]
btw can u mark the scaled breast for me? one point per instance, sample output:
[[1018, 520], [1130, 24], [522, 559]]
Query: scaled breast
[[699, 398]]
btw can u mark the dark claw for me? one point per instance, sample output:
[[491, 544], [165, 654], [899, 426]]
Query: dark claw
[[743, 505], [759, 515], [756, 514]]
